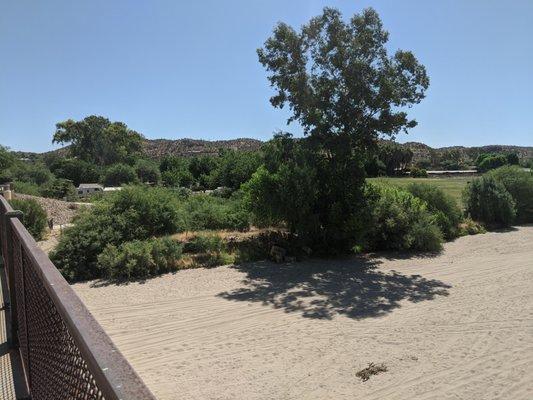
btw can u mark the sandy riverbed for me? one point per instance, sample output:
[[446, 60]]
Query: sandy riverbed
[[455, 326]]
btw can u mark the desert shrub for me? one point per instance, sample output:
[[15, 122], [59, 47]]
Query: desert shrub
[[35, 219], [213, 259], [470, 227], [486, 200], [204, 243], [140, 258], [211, 212], [519, 184], [400, 221], [59, 189], [209, 250], [134, 213], [37, 173], [119, 174], [447, 213], [26, 188], [418, 172]]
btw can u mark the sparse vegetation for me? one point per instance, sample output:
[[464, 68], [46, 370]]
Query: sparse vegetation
[[372, 369]]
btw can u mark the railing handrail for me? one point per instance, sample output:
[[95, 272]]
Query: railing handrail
[[113, 374]]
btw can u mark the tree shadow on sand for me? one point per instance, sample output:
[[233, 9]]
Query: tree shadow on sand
[[321, 289]]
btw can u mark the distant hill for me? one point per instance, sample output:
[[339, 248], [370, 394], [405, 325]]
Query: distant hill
[[466, 154], [158, 148]]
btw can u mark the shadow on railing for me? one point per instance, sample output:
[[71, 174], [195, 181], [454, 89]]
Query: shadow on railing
[[65, 353]]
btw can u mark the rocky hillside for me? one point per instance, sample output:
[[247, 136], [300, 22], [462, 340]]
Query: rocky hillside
[[159, 148], [465, 154]]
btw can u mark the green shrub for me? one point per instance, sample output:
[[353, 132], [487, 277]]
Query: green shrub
[[26, 188], [35, 219], [519, 184], [418, 173], [140, 258], [76, 170], [400, 221], [204, 243], [447, 213], [59, 189], [209, 250], [147, 171], [37, 173], [491, 161], [134, 213], [486, 200], [211, 212], [119, 174]]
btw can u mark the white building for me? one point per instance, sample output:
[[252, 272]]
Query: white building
[[86, 189]]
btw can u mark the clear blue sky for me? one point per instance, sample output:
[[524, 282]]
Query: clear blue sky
[[174, 69]]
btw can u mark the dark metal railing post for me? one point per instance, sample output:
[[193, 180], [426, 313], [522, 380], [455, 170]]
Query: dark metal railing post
[[10, 269]]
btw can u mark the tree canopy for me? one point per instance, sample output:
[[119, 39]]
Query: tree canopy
[[338, 79], [98, 140], [346, 92]]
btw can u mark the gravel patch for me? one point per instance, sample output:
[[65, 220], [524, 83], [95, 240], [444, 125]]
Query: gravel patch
[[62, 212]]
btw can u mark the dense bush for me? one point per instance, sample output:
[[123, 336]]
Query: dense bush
[[26, 188], [318, 197], [119, 174], [139, 258], [37, 173], [400, 221], [75, 170], [147, 171], [59, 189], [204, 243], [134, 213], [35, 219], [486, 162], [519, 184], [177, 178], [418, 172], [211, 212], [447, 212], [486, 200], [208, 250]]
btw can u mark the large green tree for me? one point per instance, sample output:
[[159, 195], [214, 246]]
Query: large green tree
[[98, 140], [346, 91]]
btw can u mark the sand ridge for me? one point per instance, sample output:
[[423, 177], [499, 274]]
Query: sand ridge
[[454, 326]]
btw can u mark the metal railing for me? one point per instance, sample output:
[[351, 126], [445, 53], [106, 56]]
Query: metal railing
[[65, 353]]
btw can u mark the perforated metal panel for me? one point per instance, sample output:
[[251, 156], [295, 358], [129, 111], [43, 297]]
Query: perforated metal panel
[[63, 349]]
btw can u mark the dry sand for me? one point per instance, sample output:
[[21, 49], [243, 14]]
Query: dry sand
[[455, 326]]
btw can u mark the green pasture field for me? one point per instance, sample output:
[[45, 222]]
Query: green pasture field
[[453, 186]]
